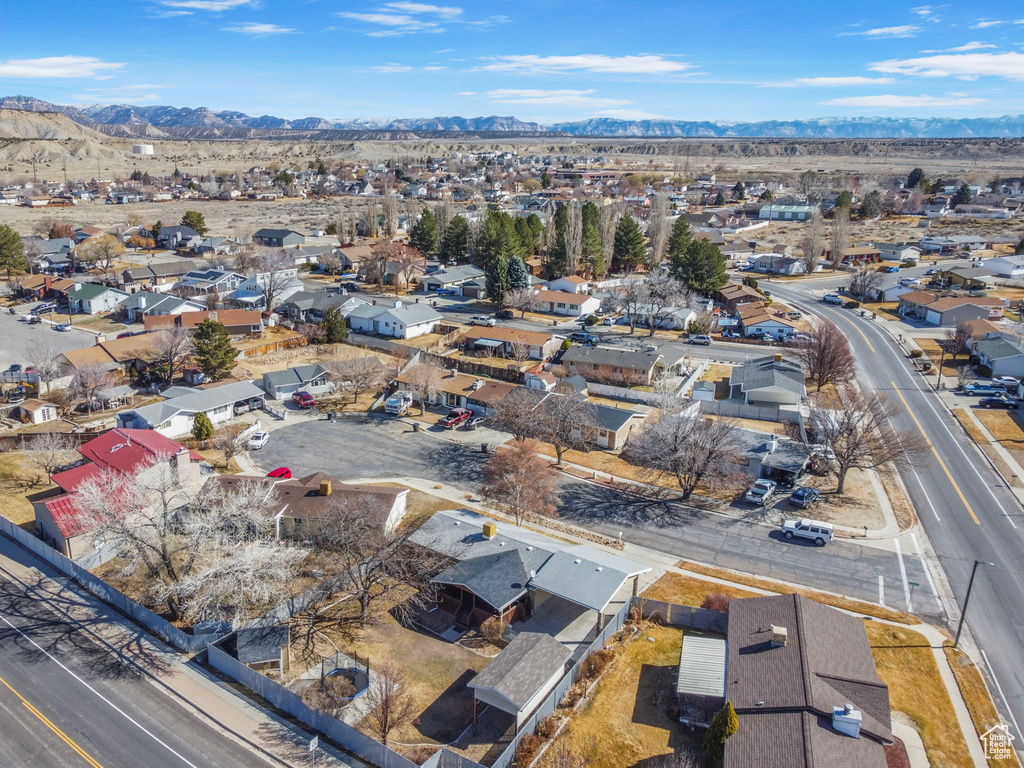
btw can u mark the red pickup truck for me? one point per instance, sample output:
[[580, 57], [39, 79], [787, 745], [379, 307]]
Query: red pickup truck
[[303, 400], [455, 417]]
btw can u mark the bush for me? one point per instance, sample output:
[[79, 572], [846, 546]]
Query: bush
[[527, 750], [573, 696], [916, 353], [716, 601], [202, 427], [908, 265], [596, 663], [547, 727], [566, 344], [592, 320], [852, 305], [493, 629]]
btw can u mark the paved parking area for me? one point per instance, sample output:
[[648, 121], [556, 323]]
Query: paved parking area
[[17, 338]]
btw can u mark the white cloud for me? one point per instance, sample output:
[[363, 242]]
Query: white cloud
[[392, 68], [907, 30], [393, 23], [594, 62], [554, 98], [255, 29], [985, 24], [965, 66], [115, 95], [447, 12], [206, 5], [834, 82], [892, 101], [974, 45], [56, 66]]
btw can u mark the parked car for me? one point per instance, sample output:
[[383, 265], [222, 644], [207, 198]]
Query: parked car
[[832, 298], [891, 269], [398, 403], [760, 492], [1006, 382], [303, 400], [482, 320], [981, 388], [46, 306], [352, 287], [933, 271], [804, 497], [727, 334], [447, 292], [608, 321], [818, 532], [701, 338], [582, 337], [281, 473], [62, 327], [794, 314], [909, 281], [744, 266], [257, 440], [241, 407], [35, 320], [455, 417], [823, 452], [504, 314], [999, 402], [475, 422], [15, 368], [764, 336]]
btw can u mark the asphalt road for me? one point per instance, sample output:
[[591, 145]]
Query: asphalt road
[[66, 702], [367, 447], [966, 510], [17, 338]]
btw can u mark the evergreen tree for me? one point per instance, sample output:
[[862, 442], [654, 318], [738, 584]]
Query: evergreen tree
[[214, 354], [12, 251], [335, 328], [424, 234], [202, 427], [724, 725], [526, 236], [872, 205], [679, 238], [701, 267], [499, 238], [845, 199], [593, 250], [155, 229], [740, 191], [915, 177], [629, 249], [719, 199], [518, 275], [545, 180], [537, 226], [498, 282], [196, 220], [455, 246], [962, 196]]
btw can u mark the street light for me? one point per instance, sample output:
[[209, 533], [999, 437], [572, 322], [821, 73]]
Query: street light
[[967, 599]]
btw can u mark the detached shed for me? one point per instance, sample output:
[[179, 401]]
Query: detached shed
[[264, 648], [700, 687], [521, 676]]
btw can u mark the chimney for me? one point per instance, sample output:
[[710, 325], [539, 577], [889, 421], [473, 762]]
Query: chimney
[[778, 637], [490, 529], [773, 445], [76, 287], [47, 282], [847, 720], [325, 487], [142, 301], [777, 357]]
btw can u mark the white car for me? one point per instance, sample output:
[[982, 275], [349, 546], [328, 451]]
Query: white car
[[487, 320], [832, 298], [760, 492], [818, 532], [1008, 383], [258, 440]]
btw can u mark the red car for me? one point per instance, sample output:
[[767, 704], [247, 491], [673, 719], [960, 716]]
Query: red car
[[303, 400], [281, 473], [455, 417]]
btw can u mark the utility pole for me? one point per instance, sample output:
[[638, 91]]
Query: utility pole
[[967, 599]]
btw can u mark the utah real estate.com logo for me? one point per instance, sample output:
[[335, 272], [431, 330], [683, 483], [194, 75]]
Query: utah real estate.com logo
[[998, 742]]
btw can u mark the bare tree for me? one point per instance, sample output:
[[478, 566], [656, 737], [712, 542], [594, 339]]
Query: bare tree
[[423, 380], [859, 435], [520, 483], [840, 235], [229, 442], [51, 451], [443, 215], [273, 270], [519, 351], [813, 242], [524, 300], [956, 340], [406, 265], [389, 213], [389, 702], [102, 251], [567, 422], [662, 296], [375, 268], [515, 413], [693, 449], [174, 347], [564, 754], [48, 359], [685, 757], [826, 354], [607, 221], [631, 301], [358, 375], [864, 282], [87, 380], [331, 263], [330, 694], [372, 226], [658, 229], [573, 238], [965, 374]]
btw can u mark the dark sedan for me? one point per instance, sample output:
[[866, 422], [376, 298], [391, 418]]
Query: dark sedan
[[804, 497], [999, 402]]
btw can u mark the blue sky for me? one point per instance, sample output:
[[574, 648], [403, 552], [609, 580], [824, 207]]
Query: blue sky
[[543, 60]]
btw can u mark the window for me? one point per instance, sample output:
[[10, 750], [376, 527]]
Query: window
[[560, 305]]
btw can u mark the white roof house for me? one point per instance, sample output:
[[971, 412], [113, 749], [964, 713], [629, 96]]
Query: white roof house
[[175, 416], [395, 318]]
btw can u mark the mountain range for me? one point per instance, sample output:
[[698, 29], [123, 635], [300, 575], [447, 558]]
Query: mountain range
[[132, 120]]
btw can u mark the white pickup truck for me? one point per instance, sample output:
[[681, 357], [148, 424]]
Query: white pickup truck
[[398, 403]]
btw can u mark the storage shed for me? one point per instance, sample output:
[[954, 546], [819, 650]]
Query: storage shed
[[700, 687]]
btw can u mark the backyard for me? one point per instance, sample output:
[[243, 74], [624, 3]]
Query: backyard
[[18, 478]]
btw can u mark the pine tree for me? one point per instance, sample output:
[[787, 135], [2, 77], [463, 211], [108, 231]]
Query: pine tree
[[215, 353], [915, 177], [424, 234], [719, 199], [12, 251], [455, 246], [545, 179], [537, 226], [518, 275], [845, 199], [195, 220], [701, 268], [499, 238], [963, 196], [740, 191], [724, 725], [629, 249], [498, 282], [679, 239], [526, 236], [202, 427], [335, 328]]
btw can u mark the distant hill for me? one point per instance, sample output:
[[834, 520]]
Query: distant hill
[[16, 124], [131, 120]]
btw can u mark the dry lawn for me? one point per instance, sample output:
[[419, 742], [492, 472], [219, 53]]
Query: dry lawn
[[934, 351], [719, 375], [856, 508], [755, 425], [964, 417], [613, 464], [278, 361], [905, 663], [885, 310], [625, 720], [976, 695], [18, 482], [688, 590]]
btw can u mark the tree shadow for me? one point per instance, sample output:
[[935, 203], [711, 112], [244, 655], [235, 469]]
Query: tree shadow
[[651, 705], [588, 503], [450, 713]]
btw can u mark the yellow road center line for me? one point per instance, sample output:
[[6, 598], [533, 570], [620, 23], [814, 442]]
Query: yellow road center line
[[60, 734], [858, 330], [935, 452]]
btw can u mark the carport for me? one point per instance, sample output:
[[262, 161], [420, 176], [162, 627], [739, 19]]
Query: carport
[[489, 344]]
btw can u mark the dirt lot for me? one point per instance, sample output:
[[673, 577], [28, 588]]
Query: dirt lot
[[277, 361], [19, 480]]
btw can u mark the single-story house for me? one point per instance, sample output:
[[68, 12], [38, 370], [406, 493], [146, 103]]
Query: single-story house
[[1011, 266], [178, 236], [786, 212], [670, 318], [503, 342], [1003, 355], [132, 354], [777, 264], [461, 390], [862, 253], [756, 319], [218, 246], [175, 416], [278, 238], [312, 306], [94, 299], [889, 290], [614, 425], [313, 378], [954, 243], [898, 251], [571, 284], [237, 322], [768, 380], [983, 329], [611, 365], [949, 310], [973, 278], [453, 278], [352, 257], [44, 287], [803, 682], [153, 276], [37, 411], [732, 294], [202, 282], [145, 304], [394, 318], [776, 458], [572, 304]]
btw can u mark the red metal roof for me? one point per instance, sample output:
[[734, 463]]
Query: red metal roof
[[125, 449], [66, 516], [70, 479]]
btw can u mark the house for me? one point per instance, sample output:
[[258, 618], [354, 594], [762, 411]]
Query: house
[[118, 450], [461, 390], [128, 356], [313, 378], [802, 680], [756, 319], [572, 304], [786, 212], [949, 310], [771, 456], [394, 318], [776, 264], [972, 278], [353, 256], [178, 236], [1003, 355], [889, 290], [44, 287], [154, 276], [613, 426], [1011, 266], [205, 282], [861, 253], [94, 299], [49, 254], [732, 294], [898, 251], [237, 322], [506, 342], [36, 411], [670, 318], [983, 329], [218, 246], [453, 278], [313, 306], [175, 416], [278, 238], [541, 380], [611, 365], [143, 304], [954, 243], [571, 284], [768, 380]]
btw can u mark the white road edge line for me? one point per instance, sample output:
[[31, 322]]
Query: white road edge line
[[903, 574], [925, 492], [999, 688], [927, 570], [881, 590], [100, 696]]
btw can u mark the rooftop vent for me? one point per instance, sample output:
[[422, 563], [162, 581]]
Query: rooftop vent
[[490, 529], [847, 720], [778, 357], [778, 637], [325, 487]]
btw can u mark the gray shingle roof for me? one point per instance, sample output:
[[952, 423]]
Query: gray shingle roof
[[300, 374], [999, 348], [255, 645], [455, 274], [500, 579], [621, 358], [584, 576], [161, 269], [413, 314], [522, 669], [275, 232], [612, 419], [766, 372], [194, 402]]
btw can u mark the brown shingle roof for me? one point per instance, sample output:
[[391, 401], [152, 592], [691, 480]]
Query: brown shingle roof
[[562, 297], [534, 338], [114, 351], [229, 317]]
